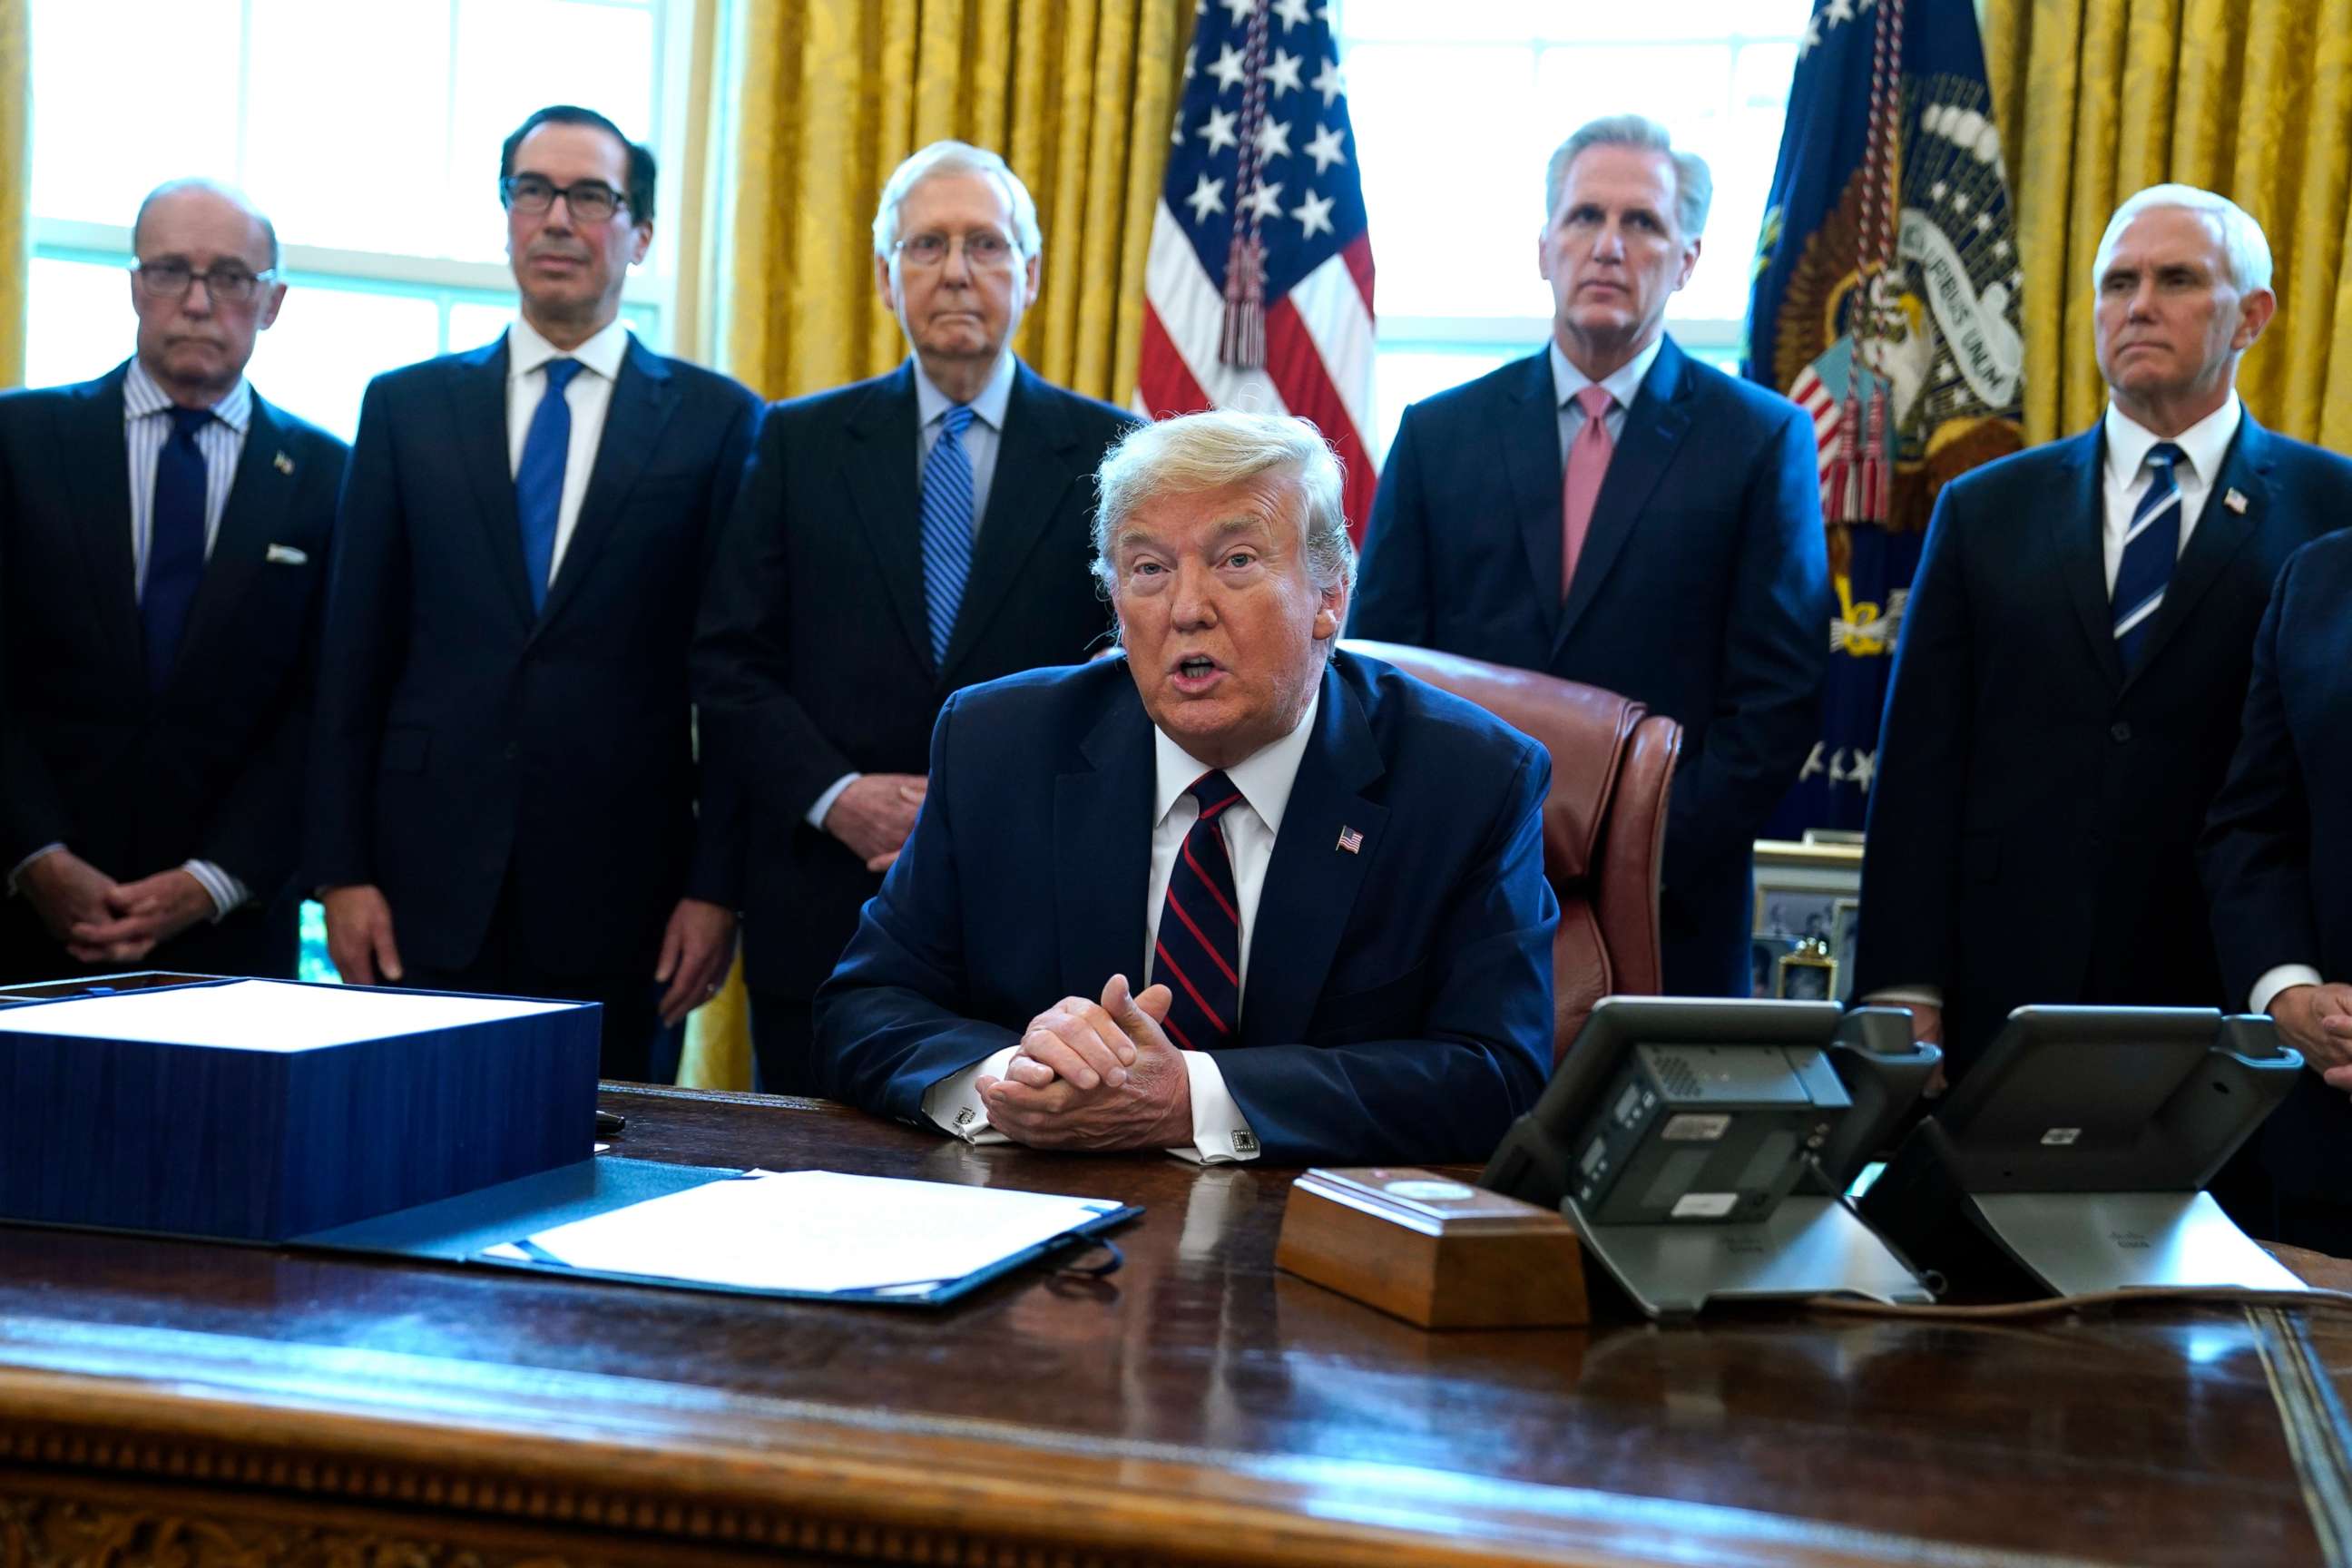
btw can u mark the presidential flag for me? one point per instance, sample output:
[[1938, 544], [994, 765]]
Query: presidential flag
[[1886, 302], [1259, 289]]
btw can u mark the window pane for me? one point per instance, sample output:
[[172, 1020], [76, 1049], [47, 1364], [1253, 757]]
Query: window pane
[[1407, 376], [112, 123], [517, 56], [473, 325], [81, 324], [347, 112], [1453, 167], [331, 342]]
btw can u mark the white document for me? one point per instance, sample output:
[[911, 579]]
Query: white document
[[813, 1230], [261, 1014]]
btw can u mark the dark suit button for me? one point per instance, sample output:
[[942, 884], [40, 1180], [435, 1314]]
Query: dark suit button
[[2121, 732]]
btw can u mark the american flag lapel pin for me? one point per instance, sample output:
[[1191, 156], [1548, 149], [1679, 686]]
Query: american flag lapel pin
[[2236, 502], [283, 463], [1351, 840]]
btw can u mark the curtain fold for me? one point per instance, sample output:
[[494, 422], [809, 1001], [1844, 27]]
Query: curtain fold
[[1078, 95], [15, 182], [2248, 98]]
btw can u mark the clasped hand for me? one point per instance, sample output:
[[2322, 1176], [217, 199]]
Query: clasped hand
[[2317, 1021], [1094, 1075]]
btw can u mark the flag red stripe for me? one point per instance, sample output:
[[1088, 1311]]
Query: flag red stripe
[[1358, 255], [1161, 376], [1295, 366], [1190, 989]]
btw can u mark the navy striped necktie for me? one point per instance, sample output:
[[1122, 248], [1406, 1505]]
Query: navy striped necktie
[[2151, 546], [175, 543], [947, 529], [1198, 955]]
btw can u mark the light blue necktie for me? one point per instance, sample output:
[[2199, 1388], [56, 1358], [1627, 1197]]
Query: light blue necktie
[[947, 527], [539, 479], [2151, 546]]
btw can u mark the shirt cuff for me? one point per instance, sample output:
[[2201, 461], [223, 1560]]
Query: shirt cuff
[[1906, 996], [226, 891], [1221, 1133], [22, 866], [825, 802], [954, 1104], [2274, 980]]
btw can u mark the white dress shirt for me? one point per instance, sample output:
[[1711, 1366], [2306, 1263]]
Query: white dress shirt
[[589, 396], [2124, 477], [1624, 384], [1220, 1132], [982, 440], [145, 428]]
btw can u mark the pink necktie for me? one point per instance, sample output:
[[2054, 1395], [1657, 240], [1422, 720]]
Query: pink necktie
[[1588, 460]]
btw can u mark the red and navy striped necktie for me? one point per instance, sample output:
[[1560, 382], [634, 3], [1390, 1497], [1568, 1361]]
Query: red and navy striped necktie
[[1199, 950]]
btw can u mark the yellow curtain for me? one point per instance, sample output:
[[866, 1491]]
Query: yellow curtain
[[16, 182], [2098, 99], [1077, 94]]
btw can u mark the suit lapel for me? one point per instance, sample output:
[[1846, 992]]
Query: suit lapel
[[1311, 883], [2221, 532], [91, 440], [1102, 847], [477, 399], [257, 501], [1032, 475], [877, 464], [1530, 452], [1653, 431], [644, 397], [2077, 530]]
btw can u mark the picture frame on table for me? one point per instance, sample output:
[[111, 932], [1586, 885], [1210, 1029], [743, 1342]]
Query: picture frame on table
[[1764, 956], [1806, 974]]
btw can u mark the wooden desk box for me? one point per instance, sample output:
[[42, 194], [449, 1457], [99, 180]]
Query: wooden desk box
[[1436, 1252], [263, 1109]]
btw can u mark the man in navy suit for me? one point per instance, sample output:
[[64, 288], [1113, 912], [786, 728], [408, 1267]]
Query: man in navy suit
[[896, 539], [2277, 848], [165, 534], [1330, 875], [506, 796], [1612, 512], [2067, 690]]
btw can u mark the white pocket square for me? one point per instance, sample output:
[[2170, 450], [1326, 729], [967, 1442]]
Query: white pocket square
[[286, 555]]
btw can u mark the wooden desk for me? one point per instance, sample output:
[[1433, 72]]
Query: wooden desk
[[199, 1405]]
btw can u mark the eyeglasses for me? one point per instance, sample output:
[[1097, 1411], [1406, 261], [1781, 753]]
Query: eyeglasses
[[981, 248], [591, 201], [168, 278]]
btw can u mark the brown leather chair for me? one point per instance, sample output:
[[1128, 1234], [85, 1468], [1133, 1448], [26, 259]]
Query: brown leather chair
[[1612, 762]]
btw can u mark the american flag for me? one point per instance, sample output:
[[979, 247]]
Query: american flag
[[1259, 289]]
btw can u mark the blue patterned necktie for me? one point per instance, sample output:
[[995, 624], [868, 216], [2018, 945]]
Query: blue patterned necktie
[[2151, 546], [947, 527], [1198, 952], [175, 543], [539, 479]]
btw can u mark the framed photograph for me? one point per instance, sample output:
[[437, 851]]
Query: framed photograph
[[1800, 913], [1806, 974], [1764, 956], [1845, 926]]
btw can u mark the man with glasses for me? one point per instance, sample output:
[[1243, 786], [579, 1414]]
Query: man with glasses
[[505, 791], [897, 539], [165, 534]]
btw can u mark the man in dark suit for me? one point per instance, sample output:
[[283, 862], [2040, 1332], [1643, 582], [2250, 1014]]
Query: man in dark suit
[[896, 539], [165, 532], [2277, 848], [1612, 512], [1331, 873], [2067, 690], [505, 761]]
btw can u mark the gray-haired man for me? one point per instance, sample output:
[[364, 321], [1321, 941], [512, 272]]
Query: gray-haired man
[[896, 539]]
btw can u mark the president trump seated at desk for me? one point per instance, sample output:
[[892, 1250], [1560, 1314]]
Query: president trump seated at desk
[[1237, 895]]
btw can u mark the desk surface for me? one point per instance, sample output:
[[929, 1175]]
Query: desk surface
[[228, 1404]]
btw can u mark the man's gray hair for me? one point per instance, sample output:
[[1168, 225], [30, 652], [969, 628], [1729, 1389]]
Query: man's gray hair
[[228, 194], [1694, 185], [955, 158], [1197, 452], [2244, 247]]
